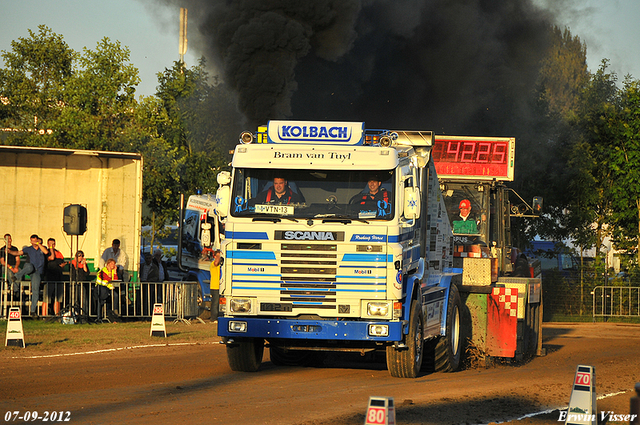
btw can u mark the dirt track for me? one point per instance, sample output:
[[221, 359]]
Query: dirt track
[[193, 384]]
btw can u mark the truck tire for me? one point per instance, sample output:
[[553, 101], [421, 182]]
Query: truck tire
[[406, 362], [448, 348], [245, 355]]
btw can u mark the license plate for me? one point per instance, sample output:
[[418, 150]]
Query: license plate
[[274, 209], [276, 307]]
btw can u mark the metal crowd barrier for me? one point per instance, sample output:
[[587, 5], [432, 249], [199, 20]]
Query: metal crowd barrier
[[619, 301], [127, 299]]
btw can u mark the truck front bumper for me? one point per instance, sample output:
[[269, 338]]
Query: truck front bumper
[[251, 327]]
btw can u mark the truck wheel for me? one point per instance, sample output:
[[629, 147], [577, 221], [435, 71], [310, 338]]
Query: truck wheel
[[406, 362], [448, 349], [245, 355]]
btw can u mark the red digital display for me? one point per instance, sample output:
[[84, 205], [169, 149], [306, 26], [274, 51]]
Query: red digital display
[[467, 157]]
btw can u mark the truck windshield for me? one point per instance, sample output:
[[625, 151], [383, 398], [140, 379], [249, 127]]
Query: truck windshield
[[327, 194], [467, 209]]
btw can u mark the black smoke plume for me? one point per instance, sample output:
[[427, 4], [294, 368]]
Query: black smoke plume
[[452, 66]]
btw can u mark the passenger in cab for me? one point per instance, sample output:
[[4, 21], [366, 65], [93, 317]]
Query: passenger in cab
[[374, 198]]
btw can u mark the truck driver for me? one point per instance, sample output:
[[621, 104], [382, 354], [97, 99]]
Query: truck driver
[[467, 225], [279, 193]]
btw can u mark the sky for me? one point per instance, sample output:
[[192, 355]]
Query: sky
[[609, 28], [149, 31]]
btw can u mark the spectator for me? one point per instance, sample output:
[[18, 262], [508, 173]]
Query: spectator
[[118, 255], [214, 284], [34, 268], [13, 262], [53, 273], [162, 265], [80, 277], [104, 286], [79, 268], [149, 272]]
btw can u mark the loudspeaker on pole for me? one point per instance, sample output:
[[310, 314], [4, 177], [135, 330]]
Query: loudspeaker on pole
[[75, 219]]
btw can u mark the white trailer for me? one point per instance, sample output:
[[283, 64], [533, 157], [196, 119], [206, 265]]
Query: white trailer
[[38, 183]]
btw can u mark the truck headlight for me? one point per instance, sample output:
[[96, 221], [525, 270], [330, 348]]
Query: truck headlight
[[378, 330], [377, 309], [240, 305], [236, 326]]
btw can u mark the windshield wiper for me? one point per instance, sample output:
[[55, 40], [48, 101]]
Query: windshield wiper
[[274, 219], [334, 218]]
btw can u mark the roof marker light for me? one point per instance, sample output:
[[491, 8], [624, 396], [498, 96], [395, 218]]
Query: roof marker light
[[246, 137]]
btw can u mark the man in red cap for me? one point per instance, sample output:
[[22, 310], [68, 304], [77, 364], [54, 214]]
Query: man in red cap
[[467, 225]]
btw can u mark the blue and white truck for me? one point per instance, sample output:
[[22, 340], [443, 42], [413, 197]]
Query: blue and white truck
[[329, 272], [355, 253]]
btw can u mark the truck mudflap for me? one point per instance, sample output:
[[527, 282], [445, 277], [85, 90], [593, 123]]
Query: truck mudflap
[[251, 327]]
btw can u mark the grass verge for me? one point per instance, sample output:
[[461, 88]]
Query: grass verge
[[43, 337]]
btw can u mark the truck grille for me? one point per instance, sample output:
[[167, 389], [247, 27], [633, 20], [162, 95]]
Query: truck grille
[[312, 277], [309, 275]]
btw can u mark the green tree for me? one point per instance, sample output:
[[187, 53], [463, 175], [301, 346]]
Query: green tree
[[590, 204], [31, 85], [543, 162], [563, 73], [100, 100], [201, 122], [624, 165]]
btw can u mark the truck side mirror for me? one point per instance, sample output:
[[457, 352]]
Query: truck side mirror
[[223, 193], [205, 235], [411, 203], [222, 200], [537, 205], [223, 178]]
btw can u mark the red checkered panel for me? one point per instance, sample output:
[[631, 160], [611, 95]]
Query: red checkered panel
[[508, 299]]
